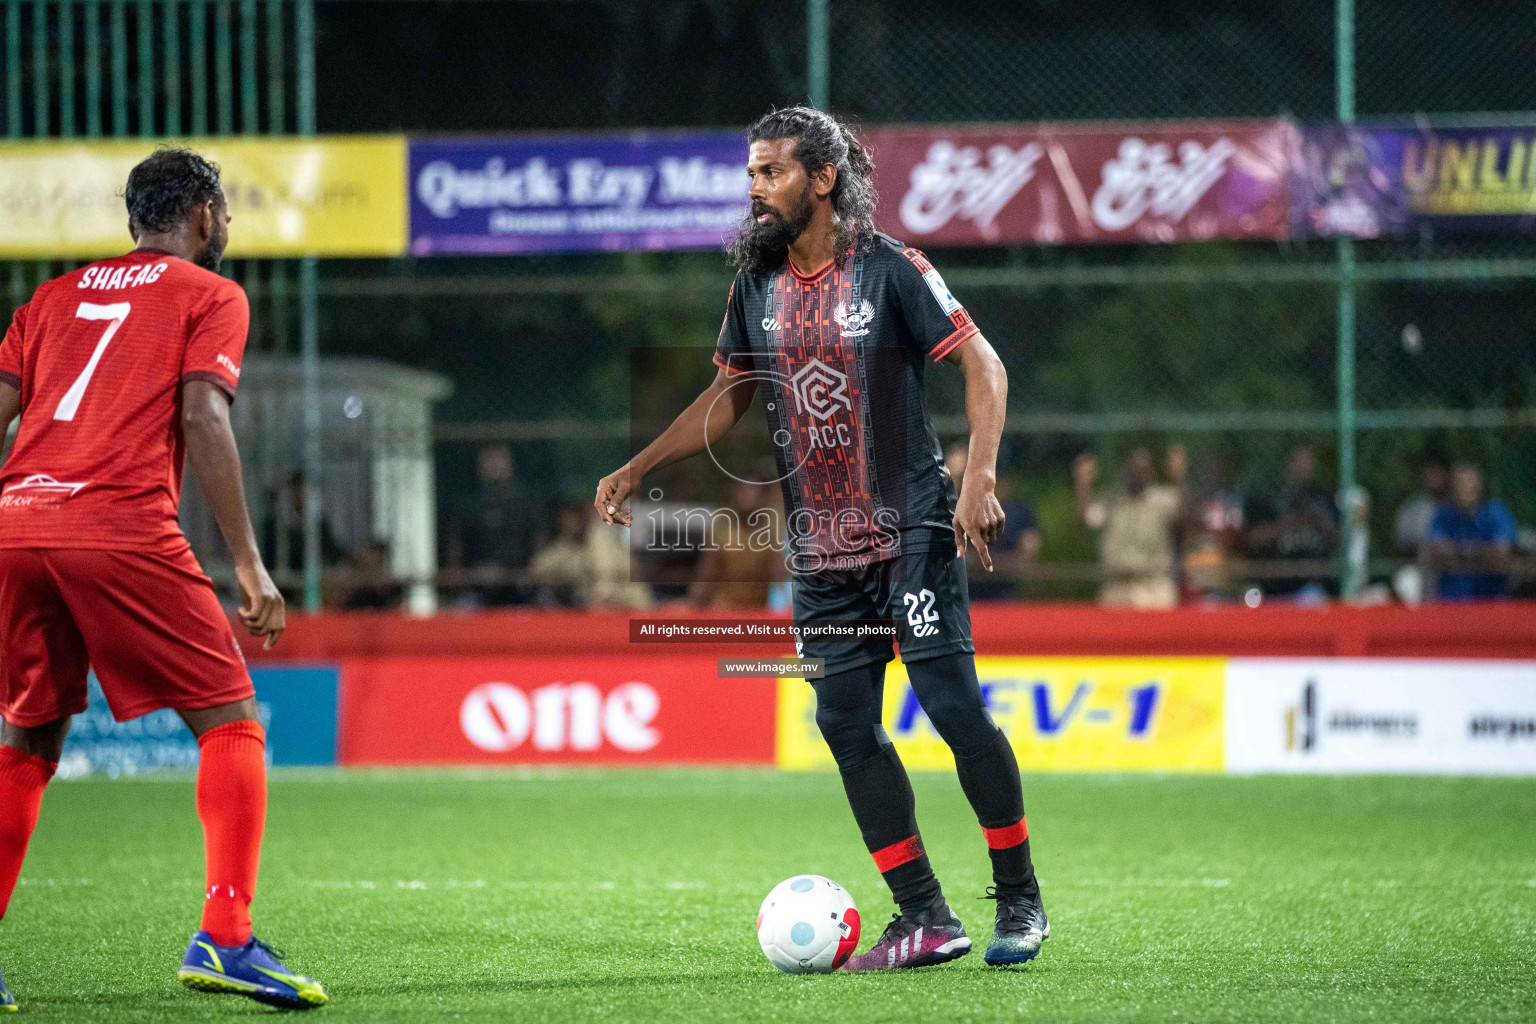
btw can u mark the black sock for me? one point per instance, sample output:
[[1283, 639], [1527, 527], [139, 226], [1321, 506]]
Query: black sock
[[950, 694], [883, 805], [989, 774]]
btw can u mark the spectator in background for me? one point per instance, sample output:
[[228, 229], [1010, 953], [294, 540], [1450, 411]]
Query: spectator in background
[[1470, 541], [608, 556], [369, 583], [740, 574], [561, 572], [1012, 553], [1299, 522], [283, 538], [1216, 532], [1138, 527], [494, 528], [1418, 512]]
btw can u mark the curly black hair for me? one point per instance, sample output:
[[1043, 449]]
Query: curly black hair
[[164, 188], [821, 139]]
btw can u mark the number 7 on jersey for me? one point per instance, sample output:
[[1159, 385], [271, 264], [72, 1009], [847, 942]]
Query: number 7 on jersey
[[116, 313]]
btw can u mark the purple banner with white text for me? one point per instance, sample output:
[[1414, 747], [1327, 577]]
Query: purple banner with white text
[[575, 193]]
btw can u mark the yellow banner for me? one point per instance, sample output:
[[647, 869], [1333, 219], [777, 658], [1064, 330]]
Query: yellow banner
[[323, 196], [1061, 714]]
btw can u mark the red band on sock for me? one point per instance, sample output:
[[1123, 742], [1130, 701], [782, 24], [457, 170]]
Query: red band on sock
[[23, 777], [25, 769], [232, 804], [234, 731], [897, 854], [1008, 835]]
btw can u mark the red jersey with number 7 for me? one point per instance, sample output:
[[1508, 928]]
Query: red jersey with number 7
[[99, 356]]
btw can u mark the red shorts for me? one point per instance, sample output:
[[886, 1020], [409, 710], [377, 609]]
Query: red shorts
[[150, 625]]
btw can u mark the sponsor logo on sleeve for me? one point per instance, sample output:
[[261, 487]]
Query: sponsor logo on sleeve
[[947, 302]]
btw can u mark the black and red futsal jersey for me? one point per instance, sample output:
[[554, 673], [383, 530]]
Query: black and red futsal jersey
[[839, 359], [93, 564]]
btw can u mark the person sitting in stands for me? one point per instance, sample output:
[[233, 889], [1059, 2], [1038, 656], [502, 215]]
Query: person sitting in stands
[[1471, 539]]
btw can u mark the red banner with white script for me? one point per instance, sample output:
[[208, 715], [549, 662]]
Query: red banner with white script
[[1162, 181], [573, 710]]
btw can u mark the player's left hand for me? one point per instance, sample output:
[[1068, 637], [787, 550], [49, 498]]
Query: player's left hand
[[261, 603], [979, 518]]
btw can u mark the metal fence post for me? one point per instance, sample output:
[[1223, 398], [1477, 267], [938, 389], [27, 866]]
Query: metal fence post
[[309, 327], [1351, 565], [817, 53], [13, 69]]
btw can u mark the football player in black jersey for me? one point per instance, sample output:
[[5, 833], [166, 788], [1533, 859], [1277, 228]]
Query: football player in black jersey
[[835, 324]]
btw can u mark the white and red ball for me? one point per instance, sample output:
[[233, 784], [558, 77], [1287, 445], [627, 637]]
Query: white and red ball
[[808, 925]]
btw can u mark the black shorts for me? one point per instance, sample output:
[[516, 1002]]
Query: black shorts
[[923, 592]]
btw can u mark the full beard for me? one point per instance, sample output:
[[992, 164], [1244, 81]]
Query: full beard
[[211, 255], [759, 248]]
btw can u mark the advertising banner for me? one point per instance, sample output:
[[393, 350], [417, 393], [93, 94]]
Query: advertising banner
[[324, 196], [1368, 181], [1049, 184], [576, 193], [1380, 715], [573, 710], [1061, 714], [297, 705]]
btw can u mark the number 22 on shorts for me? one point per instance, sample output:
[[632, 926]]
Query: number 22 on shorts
[[921, 615], [116, 314]]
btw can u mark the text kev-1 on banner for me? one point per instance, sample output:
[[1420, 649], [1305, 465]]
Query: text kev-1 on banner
[[1060, 714]]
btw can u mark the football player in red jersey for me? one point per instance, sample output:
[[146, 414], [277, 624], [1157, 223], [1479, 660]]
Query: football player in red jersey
[[120, 371]]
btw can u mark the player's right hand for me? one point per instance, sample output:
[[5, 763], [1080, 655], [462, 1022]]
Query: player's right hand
[[261, 604], [612, 491]]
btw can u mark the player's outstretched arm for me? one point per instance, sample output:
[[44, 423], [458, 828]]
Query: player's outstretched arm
[[216, 461], [978, 514], [711, 416]]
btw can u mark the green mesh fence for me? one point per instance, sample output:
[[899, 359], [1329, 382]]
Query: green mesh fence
[[1226, 349]]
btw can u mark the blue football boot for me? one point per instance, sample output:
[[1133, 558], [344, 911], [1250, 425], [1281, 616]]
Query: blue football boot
[[1021, 928], [7, 1001], [254, 970]]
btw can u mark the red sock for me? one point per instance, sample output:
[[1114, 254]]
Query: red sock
[[23, 777], [232, 804]]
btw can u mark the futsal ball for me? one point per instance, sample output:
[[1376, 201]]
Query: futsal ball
[[808, 925]]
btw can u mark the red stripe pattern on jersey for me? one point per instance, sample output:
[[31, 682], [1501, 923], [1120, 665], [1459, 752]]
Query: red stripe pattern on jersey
[[827, 409]]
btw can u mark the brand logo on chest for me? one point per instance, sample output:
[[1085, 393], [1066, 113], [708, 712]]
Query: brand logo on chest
[[820, 390]]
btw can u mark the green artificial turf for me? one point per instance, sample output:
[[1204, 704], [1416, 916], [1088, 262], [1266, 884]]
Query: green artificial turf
[[630, 896]]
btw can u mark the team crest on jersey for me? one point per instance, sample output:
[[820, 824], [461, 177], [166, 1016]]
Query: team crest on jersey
[[819, 390], [854, 322]]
